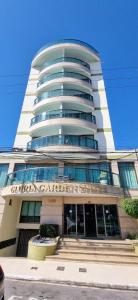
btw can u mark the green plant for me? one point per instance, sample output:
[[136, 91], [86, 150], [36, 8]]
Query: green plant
[[130, 206], [132, 236], [49, 230]]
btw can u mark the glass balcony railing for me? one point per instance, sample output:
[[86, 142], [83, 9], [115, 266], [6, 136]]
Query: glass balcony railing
[[65, 59], [65, 113], [70, 173], [62, 75], [82, 141], [65, 92]]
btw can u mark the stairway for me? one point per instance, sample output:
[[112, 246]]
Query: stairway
[[106, 251]]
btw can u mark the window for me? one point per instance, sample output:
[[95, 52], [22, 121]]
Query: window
[[127, 175], [3, 174], [30, 212]]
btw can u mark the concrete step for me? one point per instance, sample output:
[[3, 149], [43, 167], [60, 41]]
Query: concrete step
[[125, 246], [93, 241], [92, 248], [97, 252], [94, 258]]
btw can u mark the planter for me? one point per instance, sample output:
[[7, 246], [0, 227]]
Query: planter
[[39, 249]]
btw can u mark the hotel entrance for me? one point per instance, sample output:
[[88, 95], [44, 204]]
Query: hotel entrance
[[91, 220]]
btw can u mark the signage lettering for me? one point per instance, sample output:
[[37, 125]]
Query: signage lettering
[[58, 188]]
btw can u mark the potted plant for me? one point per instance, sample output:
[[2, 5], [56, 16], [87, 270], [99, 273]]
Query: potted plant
[[45, 243], [130, 206]]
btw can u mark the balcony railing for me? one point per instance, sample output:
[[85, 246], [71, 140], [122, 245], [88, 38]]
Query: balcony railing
[[70, 173], [66, 59], [62, 75], [67, 113], [65, 92], [82, 141]]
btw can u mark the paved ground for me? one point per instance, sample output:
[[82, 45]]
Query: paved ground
[[28, 290], [88, 274]]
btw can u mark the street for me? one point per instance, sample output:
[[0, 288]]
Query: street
[[28, 290]]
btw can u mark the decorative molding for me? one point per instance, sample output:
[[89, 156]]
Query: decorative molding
[[104, 130], [98, 74], [22, 133], [26, 112], [62, 188], [101, 108], [98, 90], [7, 243]]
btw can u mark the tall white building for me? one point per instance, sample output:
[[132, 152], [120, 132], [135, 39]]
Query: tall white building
[[64, 169], [65, 96]]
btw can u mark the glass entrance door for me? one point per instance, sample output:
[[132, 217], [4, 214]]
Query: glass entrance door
[[91, 220], [74, 217], [111, 220], [70, 219], [107, 220]]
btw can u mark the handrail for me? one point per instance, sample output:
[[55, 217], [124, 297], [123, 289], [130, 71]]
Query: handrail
[[64, 92], [62, 75], [65, 113], [66, 59], [82, 141], [41, 174]]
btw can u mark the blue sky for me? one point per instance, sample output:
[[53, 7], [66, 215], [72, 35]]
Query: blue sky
[[110, 26]]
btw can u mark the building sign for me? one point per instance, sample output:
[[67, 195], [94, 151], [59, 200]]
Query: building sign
[[61, 188]]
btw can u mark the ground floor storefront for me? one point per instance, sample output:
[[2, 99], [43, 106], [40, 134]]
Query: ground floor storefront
[[93, 217]]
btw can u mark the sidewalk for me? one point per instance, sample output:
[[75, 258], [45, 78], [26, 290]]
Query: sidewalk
[[77, 273]]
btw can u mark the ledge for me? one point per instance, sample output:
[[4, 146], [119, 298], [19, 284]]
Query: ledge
[[62, 189]]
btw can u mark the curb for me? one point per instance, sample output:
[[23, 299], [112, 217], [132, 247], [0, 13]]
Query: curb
[[75, 283]]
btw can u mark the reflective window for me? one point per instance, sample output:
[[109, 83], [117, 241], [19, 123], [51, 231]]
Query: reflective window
[[3, 174], [30, 212], [127, 173]]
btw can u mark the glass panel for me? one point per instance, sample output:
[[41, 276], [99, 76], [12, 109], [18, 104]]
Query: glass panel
[[100, 219], [63, 92], [3, 174], [93, 175], [76, 174], [63, 74], [30, 212], [63, 114], [24, 210], [70, 219], [63, 140], [31, 209], [128, 175], [66, 59], [37, 208], [80, 219], [111, 220], [18, 167]]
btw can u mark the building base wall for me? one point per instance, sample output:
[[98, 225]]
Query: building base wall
[[52, 212]]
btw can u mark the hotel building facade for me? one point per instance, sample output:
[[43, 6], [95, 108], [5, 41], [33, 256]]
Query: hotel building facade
[[64, 168]]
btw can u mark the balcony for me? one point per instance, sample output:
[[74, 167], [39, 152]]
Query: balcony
[[69, 140], [63, 114], [66, 174], [64, 92], [66, 59], [65, 74]]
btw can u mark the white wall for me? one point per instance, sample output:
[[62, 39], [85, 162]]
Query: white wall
[[25, 117]]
